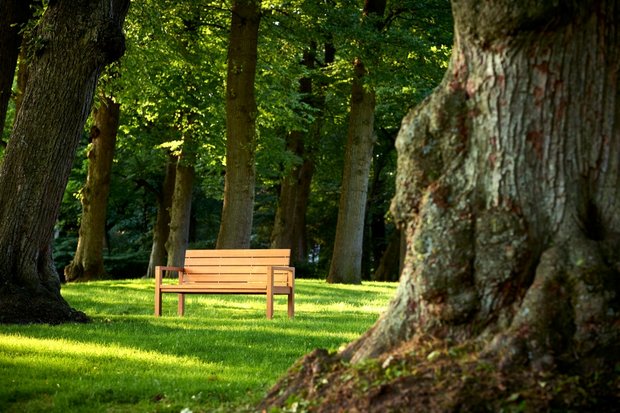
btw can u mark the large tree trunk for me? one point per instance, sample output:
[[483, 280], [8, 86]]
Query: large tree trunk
[[346, 261], [161, 229], [87, 264], [13, 16], [508, 190], [63, 74], [238, 209]]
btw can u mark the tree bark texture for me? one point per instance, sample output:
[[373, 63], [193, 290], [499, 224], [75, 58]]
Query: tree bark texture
[[75, 40], [161, 229], [87, 264], [508, 190], [241, 112], [13, 16], [346, 261], [180, 212]]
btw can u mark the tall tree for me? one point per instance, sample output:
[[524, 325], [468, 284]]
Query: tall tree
[[13, 16], [285, 223], [346, 262], [238, 209], [87, 264], [507, 190], [76, 39]]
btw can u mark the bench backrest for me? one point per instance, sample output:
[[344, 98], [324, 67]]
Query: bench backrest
[[235, 266]]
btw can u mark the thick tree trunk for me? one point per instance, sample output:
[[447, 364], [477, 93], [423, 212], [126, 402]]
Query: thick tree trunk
[[180, 213], [13, 16], [238, 209], [87, 264], [512, 217], [161, 229], [63, 74], [346, 261], [508, 192]]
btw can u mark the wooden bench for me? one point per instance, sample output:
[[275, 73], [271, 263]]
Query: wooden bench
[[265, 271]]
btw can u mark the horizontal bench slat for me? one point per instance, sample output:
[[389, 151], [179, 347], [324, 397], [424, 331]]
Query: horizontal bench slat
[[238, 253], [225, 261], [232, 269], [192, 277]]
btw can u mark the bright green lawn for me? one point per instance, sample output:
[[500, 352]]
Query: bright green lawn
[[222, 355]]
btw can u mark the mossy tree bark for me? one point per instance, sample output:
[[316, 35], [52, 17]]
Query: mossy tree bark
[[87, 264], [241, 112], [508, 191], [74, 41], [507, 188]]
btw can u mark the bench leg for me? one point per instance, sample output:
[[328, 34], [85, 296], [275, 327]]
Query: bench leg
[[270, 293], [181, 309], [157, 302], [291, 305]]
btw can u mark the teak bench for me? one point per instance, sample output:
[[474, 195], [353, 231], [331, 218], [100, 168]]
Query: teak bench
[[264, 271]]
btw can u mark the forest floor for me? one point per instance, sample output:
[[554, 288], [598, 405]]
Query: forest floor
[[431, 377]]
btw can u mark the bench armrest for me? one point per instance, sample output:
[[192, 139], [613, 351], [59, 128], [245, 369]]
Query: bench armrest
[[291, 273], [160, 269]]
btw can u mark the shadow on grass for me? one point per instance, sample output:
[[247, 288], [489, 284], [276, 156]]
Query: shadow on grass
[[224, 352]]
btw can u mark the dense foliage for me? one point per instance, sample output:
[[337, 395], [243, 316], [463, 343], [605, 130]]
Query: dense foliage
[[171, 84]]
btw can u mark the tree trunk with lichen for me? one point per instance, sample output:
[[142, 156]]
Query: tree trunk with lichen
[[87, 264], [508, 192], [66, 62]]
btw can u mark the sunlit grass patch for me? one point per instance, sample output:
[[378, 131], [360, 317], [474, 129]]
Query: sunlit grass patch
[[223, 352]]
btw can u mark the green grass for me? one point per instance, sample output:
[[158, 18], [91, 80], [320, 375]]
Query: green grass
[[223, 355]]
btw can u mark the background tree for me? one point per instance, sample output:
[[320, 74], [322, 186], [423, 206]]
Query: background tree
[[87, 263], [346, 262], [507, 193], [67, 60], [238, 208]]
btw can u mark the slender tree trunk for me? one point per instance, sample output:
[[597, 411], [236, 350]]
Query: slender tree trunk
[[285, 226], [238, 209], [13, 16], [346, 262], [87, 264], [180, 212], [299, 246], [389, 266], [508, 191], [161, 230], [63, 74]]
